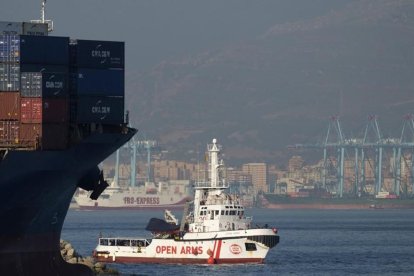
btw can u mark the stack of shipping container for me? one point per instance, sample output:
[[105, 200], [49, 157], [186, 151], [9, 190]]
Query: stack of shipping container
[[48, 84], [97, 81], [44, 94]]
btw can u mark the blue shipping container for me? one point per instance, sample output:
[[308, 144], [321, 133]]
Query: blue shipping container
[[102, 82], [31, 84], [44, 50], [104, 110], [54, 85], [9, 48], [48, 85], [44, 68], [9, 77], [98, 54]]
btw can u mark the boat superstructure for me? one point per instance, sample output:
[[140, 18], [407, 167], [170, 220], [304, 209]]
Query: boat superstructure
[[216, 230]]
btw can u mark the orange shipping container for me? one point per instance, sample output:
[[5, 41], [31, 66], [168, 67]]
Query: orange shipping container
[[29, 134], [9, 133], [9, 106], [45, 136]]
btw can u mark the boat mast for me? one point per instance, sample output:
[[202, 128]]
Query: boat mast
[[213, 150], [42, 11], [42, 17]]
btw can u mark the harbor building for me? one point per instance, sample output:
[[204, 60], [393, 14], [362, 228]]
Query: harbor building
[[258, 172]]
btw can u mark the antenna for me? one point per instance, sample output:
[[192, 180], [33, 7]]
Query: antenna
[[42, 18]]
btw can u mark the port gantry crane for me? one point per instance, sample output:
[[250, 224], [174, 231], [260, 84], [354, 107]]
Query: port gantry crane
[[405, 144], [334, 139], [136, 147], [372, 140], [375, 142]]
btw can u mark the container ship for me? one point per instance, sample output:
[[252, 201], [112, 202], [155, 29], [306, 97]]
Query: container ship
[[149, 196], [61, 114]]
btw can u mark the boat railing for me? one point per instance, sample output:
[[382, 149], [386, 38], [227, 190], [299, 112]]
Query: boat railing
[[207, 184], [124, 242]]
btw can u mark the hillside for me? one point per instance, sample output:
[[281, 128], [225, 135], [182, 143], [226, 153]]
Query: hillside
[[280, 87]]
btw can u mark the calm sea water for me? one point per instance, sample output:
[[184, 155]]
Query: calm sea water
[[313, 242]]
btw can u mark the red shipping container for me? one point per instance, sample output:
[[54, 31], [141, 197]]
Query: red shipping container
[[44, 110], [45, 136], [9, 106], [31, 110]]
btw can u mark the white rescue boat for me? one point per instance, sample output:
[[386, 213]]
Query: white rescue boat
[[216, 231]]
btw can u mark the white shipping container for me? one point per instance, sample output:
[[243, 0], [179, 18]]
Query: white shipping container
[[8, 28], [34, 28]]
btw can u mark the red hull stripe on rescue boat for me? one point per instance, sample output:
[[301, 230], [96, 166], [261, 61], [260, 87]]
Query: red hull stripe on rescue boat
[[218, 249], [177, 260], [214, 248]]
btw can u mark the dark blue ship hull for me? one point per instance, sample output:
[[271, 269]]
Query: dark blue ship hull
[[37, 187]]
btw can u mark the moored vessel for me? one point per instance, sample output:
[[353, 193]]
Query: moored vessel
[[148, 196], [216, 230]]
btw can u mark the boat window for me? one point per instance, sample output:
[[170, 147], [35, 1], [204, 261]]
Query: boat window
[[105, 196], [112, 242], [201, 213], [123, 242], [227, 213], [222, 212], [103, 241], [134, 243], [250, 246], [217, 212], [148, 242]]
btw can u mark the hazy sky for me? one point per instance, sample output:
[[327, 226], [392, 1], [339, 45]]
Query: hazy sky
[[158, 29]]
